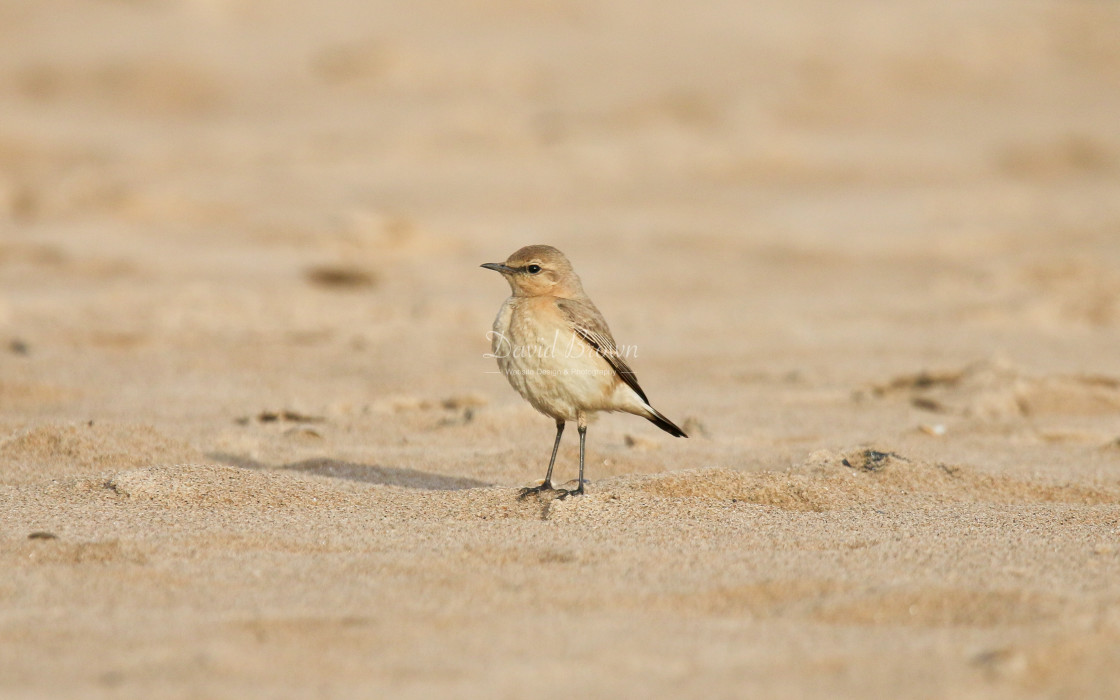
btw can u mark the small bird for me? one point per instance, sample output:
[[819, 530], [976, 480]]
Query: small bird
[[556, 350]]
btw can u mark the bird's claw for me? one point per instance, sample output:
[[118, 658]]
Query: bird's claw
[[538, 490], [564, 493]]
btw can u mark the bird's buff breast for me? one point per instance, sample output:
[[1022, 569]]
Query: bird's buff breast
[[547, 363]]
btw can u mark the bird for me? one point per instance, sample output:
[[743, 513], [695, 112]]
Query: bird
[[556, 350]]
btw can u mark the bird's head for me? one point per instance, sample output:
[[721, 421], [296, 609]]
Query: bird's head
[[539, 270]]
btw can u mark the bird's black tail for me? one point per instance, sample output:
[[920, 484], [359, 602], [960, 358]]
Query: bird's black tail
[[664, 423]]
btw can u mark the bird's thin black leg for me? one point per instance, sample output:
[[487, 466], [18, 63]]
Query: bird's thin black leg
[[547, 485], [578, 490]]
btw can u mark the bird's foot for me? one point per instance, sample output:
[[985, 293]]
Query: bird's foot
[[564, 493], [538, 490]]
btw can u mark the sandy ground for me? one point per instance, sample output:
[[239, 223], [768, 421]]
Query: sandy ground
[[869, 254]]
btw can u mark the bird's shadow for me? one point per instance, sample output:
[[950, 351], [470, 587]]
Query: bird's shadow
[[368, 473]]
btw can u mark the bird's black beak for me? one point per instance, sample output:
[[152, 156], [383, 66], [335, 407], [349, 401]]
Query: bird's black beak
[[499, 267]]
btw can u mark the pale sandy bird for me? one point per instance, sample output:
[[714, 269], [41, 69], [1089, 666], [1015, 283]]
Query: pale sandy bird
[[556, 350]]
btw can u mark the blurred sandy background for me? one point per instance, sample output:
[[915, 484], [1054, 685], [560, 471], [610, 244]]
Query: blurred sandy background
[[869, 253]]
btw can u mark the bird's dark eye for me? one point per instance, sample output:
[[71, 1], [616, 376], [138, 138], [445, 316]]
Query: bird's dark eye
[[533, 269]]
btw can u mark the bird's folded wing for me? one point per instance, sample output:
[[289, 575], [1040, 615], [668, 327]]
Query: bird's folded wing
[[586, 322]]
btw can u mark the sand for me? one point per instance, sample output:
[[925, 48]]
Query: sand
[[868, 253]]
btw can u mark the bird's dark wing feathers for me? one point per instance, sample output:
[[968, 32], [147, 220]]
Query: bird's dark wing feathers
[[589, 324]]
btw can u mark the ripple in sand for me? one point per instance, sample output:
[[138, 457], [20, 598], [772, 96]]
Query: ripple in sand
[[942, 607], [994, 390], [862, 478], [212, 485], [52, 451], [52, 550]]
